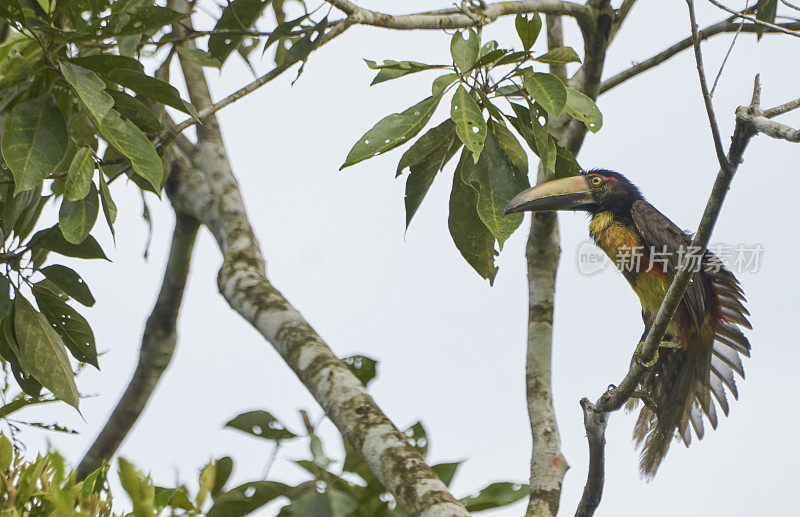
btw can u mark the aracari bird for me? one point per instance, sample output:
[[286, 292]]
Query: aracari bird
[[702, 347]]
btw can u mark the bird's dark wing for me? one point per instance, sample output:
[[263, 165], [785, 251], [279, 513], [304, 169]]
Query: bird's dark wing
[[670, 243]]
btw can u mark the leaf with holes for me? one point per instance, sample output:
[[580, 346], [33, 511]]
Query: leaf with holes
[[247, 498], [238, 15], [76, 218], [392, 131], [261, 424], [465, 46], [495, 495], [547, 90], [79, 176], [34, 141], [470, 126], [528, 29], [493, 178], [45, 356], [559, 55], [73, 328], [474, 241], [363, 367], [584, 109], [70, 282]]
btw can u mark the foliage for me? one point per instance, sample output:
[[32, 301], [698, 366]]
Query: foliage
[[493, 166], [77, 111]]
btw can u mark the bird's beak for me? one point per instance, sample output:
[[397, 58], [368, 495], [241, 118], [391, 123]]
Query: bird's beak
[[561, 194]]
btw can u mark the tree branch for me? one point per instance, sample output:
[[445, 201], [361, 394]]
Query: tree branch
[[722, 27], [158, 345], [455, 18], [209, 190], [754, 20]]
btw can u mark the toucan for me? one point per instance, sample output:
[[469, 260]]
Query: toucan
[[704, 342]]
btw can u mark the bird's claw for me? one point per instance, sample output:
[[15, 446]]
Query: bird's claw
[[646, 365], [646, 398], [669, 344]]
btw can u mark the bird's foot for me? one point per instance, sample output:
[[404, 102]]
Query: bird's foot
[[670, 344], [647, 365]]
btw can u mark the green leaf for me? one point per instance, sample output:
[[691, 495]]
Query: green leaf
[[330, 503], [495, 495], [417, 436], [76, 218], [584, 109], [511, 147], [247, 498], [393, 69], [70, 282], [15, 205], [139, 487], [34, 141], [363, 367], [565, 164], [470, 126], [765, 11], [135, 146], [261, 424], [79, 177], [90, 483], [5, 296], [163, 497], [470, 235], [440, 84], [52, 240], [547, 90], [45, 356], [425, 158], [90, 89], [199, 57], [490, 58], [392, 131], [9, 348], [104, 63], [73, 328], [237, 15], [446, 471], [136, 111], [465, 45], [528, 30], [222, 472], [30, 216], [494, 178], [109, 207], [303, 46], [536, 135], [559, 55], [152, 88], [282, 30], [6, 452]]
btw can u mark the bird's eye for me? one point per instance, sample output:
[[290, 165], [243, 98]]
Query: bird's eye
[[596, 180]]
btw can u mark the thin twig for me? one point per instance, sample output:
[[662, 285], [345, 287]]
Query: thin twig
[[728, 54], [724, 26], [701, 73], [755, 20], [790, 5]]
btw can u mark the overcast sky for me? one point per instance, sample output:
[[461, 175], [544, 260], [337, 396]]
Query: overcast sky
[[452, 348]]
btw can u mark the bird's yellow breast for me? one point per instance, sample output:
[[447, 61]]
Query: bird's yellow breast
[[630, 254]]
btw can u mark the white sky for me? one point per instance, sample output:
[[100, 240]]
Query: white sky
[[451, 348]]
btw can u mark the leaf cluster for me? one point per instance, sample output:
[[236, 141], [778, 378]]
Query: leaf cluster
[[500, 103]]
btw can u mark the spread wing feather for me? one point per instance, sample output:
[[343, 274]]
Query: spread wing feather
[[715, 292]]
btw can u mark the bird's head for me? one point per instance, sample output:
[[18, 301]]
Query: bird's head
[[593, 191]]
